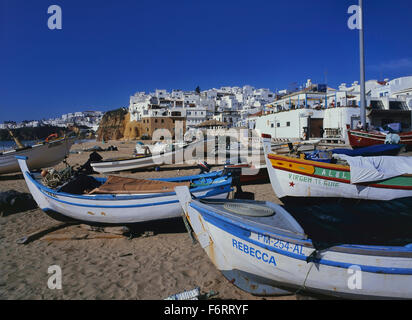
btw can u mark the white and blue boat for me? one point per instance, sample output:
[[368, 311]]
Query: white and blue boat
[[122, 208], [41, 155], [262, 248]]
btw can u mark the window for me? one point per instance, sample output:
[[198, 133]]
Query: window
[[272, 125], [278, 124], [163, 120], [155, 120], [377, 104], [397, 105], [288, 124]]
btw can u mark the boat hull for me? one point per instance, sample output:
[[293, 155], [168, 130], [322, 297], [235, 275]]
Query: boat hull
[[360, 139], [265, 263], [39, 156], [171, 157], [291, 177], [116, 209]]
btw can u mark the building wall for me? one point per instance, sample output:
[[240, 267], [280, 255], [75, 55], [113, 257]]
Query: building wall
[[286, 125], [150, 124]]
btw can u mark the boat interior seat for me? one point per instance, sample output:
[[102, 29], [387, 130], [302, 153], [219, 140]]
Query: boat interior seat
[[123, 185]]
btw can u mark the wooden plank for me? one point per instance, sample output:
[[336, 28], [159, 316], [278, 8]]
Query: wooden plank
[[40, 233]]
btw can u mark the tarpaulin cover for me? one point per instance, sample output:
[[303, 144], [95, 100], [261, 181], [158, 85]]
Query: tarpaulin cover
[[331, 222], [369, 169], [122, 185], [372, 151]]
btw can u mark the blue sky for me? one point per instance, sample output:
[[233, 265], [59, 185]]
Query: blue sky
[[108, 50]]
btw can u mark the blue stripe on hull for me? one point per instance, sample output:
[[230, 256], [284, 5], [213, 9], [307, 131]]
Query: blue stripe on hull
[[244, 234], [213, 192], [42, 188]]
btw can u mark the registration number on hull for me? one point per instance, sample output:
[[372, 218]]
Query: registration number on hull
[[280, 244]]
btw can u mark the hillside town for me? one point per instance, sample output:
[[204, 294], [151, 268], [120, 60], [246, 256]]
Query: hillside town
[[301, 112], [90, 119], [307, 111]]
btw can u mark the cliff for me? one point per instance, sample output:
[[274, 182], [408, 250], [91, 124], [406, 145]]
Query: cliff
[[132, 130], [112, 125]]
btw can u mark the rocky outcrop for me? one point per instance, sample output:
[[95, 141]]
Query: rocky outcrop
[[112, 125], [133, 130]]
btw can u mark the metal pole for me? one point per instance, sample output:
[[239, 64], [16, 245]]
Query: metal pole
[[362, 68]]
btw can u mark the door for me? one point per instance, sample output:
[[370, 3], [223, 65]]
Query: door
[[316, 128]]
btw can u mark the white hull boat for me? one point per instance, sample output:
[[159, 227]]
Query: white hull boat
[[142, 161], [262, 249], [299, 178], [123, 208], [39, 156]]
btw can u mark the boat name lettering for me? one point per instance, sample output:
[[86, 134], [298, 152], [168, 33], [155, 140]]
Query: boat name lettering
[[255, 253], [316, 181], [279, 244], [334, 174], [51, 194]]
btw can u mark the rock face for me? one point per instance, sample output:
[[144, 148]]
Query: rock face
[[112, 125], [132, 130]]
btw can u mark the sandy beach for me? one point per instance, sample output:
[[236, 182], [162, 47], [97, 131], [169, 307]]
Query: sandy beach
[[145, 267]]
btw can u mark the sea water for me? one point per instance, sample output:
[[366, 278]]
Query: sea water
[[7, 145]]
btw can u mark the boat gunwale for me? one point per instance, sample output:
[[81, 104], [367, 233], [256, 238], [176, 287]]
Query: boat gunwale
[[366, 250], [114, 197], [14, 152], [309, 162], [378, 135], [373, 184]]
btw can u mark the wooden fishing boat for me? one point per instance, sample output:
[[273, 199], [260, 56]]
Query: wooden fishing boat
[[361, 138], [124, 205], [149, 160], [294, 177], [262, 249], [42, 155], [249, 173]]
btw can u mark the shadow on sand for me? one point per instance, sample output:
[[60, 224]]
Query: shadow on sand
[[7, 177]]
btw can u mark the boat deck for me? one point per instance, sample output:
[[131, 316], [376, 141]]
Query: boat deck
[[333, 222]]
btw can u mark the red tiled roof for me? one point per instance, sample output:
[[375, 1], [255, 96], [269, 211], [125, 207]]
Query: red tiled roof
[[257, 114]]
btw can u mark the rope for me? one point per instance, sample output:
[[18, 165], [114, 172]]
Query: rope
[[55, 178]]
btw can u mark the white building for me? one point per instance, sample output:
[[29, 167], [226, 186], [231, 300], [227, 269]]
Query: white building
[[308, 113]]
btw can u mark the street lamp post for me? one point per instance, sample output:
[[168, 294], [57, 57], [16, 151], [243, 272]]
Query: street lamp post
[[362, 68]]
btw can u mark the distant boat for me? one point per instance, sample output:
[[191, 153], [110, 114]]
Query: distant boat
[[42, 155], [122, 201], [144, 161], [262, 249], [361, 138], [250, 174], [295, 177]]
